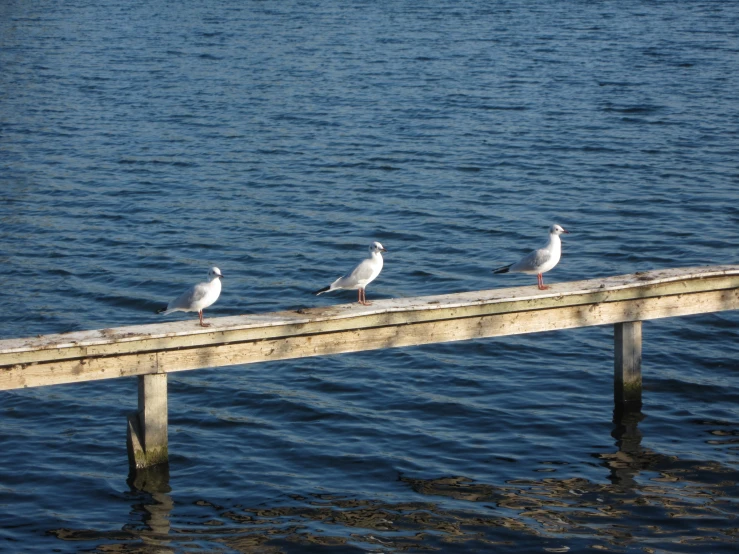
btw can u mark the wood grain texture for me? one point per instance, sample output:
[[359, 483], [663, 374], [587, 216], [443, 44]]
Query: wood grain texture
[[152, 410], [627, 345], [146, 438], [180, 346]]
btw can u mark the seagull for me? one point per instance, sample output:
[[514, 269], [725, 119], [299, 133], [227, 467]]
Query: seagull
[[539, 261], [358, 278], [198, 297]]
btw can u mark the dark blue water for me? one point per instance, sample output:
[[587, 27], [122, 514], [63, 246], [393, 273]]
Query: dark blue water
[[142, 142]]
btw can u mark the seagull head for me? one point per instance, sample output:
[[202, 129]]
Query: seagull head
[[376, 247], [557, 230], [214, 273]]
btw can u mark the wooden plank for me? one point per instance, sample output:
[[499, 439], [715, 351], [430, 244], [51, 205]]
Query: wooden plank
[[352, 340], [186, 334], [445, 331], [627, 342], [76, 370]]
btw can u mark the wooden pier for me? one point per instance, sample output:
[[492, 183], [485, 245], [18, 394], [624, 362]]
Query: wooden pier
[[152, 351]]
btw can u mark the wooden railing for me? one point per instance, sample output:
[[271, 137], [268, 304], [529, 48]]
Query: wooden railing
[[152, 351]]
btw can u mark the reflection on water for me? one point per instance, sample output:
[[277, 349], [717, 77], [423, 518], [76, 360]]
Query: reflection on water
[[624, 464], [155, 514], [153, 508], [650, 500]]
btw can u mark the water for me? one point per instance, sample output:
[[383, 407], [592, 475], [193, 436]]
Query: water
[[142, 142]]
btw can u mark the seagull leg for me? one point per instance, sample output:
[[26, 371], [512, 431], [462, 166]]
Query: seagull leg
[[363, 299], [540, 278], [202, 324]]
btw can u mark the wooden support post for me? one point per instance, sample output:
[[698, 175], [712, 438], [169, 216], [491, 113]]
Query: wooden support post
[[627, 363], [147, 428]]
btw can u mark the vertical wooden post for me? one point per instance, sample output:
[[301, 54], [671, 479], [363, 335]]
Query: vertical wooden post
[[627, 362], [147, 428]]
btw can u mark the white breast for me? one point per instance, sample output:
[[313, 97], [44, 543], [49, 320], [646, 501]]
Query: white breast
[[212, 294]]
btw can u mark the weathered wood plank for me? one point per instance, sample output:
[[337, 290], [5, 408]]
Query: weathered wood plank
[[186, 334], [382, 334], [76, 370], [444, 331]]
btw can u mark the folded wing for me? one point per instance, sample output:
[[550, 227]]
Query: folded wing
[[531, 262], [357, 276]]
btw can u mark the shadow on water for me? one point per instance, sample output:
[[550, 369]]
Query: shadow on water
[[647, 501]]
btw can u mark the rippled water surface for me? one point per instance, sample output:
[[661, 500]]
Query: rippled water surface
[[142, 142]]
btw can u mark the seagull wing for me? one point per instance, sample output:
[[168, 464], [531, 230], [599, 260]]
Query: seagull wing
[[542, 256], [356, 276], [532, 261], [188, 299]]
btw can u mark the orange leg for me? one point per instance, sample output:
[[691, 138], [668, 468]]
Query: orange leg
[[540, 279], [202, 324], [363, 298]]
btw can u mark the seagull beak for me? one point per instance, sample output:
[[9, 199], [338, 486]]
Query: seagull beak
[[220, 276], [384, 249], [565, 230]]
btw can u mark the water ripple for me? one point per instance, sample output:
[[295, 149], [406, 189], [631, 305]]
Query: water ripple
[[140, 145]]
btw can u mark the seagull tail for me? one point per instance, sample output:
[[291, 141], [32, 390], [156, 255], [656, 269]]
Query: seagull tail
[[324, 289], [503, 269]]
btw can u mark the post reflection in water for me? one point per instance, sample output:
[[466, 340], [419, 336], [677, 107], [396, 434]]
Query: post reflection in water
[[155, 514], [652, 499], [629, 458]]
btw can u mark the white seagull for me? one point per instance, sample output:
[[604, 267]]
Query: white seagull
[[198, 297], [358, 278], [539, 261]]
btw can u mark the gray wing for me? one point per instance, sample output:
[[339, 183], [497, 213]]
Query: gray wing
[[361, 273], [533, 260], [189, 298]]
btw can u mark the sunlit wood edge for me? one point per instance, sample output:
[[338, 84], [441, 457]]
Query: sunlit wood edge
[[354, 340]]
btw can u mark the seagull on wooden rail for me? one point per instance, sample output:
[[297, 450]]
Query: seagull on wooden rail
[[358, 278], [197, 297], [539, 261]]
